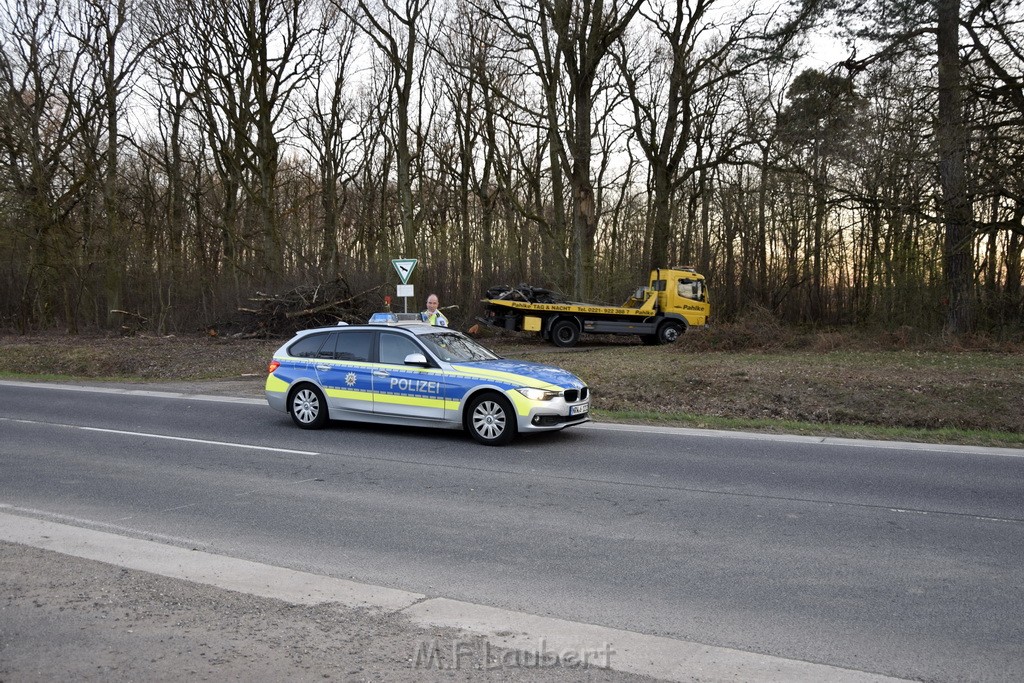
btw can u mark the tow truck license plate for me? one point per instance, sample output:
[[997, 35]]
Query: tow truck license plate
[[580, 409]]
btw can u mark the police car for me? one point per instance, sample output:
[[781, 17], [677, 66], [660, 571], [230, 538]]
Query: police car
[[420, 375]]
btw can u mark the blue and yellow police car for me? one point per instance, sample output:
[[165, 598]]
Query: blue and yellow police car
[[419, 375]]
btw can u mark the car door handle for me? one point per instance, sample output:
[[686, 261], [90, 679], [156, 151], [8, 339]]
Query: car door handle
[[381, 373], [323, 367]]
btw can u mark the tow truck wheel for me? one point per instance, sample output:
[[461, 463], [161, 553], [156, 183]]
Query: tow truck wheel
[[669, 331], [565, 333], [308, 407], [491, 420]]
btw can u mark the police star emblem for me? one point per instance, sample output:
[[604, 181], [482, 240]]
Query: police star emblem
[[350, 379]]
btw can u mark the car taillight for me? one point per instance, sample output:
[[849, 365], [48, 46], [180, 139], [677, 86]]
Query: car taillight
[[274, 365]]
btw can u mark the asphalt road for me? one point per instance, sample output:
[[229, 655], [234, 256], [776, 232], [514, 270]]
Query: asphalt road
[[903, 561]]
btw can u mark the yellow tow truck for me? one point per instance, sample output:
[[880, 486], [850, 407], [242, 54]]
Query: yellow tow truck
[[674, 300]]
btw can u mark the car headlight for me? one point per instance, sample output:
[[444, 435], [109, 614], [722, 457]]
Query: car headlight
[[538, 394]]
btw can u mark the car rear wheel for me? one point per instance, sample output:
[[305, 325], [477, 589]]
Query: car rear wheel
[[308, 407], [491, 420]]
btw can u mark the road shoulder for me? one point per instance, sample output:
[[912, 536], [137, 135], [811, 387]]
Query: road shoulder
[[84, 603]]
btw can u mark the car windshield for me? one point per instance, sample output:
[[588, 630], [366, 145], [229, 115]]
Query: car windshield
[[452, 347]]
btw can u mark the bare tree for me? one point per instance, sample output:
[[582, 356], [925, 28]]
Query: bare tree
[[902, 26], [566, 43], [328, 124], [180, 274], [692, 58], [252, 60], [585, 33], [996, 57], [761, 99], [474, 84], [816, 129], [531, 171], [109, 33], [50, 102], [398, 31], [951, 136]]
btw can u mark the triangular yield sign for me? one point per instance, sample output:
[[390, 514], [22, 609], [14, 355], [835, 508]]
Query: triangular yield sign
[[404, 266]]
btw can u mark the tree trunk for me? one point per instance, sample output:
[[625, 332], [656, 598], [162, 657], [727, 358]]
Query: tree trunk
[[951, 136]]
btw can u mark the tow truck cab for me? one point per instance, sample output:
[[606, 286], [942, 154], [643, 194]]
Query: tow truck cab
[[683, 291]]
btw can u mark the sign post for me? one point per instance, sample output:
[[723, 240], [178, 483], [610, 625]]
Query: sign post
[[404, 267]]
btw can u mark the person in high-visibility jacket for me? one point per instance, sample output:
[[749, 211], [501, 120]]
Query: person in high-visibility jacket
[[432, 315]]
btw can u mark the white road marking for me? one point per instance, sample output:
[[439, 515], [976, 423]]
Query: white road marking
[[976, 517], [165, 437], [180, 507], [207, 442]]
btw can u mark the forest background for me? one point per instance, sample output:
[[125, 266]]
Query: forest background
[[165, 161]]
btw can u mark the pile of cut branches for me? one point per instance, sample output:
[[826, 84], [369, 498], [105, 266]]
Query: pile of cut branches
[[315, 305], [525, 292]]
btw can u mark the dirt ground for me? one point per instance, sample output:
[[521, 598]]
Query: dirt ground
[[65, 618]]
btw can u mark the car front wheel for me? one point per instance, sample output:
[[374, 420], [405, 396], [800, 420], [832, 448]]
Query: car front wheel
[[491, 420], [308, 407]]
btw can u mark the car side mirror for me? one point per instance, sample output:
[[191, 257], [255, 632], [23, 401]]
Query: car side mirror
[[416, 359]]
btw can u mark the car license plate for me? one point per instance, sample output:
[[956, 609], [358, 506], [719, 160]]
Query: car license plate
[[580, 409]]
